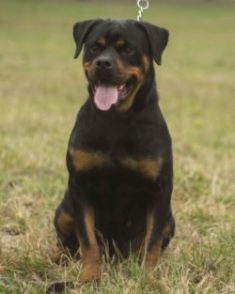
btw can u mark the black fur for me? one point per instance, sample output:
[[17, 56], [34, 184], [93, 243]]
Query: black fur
[[120, 196]]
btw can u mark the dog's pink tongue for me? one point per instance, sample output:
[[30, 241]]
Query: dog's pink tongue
[[105, 97]]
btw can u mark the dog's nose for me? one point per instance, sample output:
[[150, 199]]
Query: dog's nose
[[103, 63]]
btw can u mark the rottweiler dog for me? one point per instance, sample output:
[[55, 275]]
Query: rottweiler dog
[[119, 155]]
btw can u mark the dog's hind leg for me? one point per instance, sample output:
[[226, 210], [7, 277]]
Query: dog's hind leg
[[64, 224]]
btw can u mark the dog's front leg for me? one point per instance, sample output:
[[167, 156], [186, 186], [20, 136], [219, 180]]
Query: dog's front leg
[[85, 233], [90, 253], [153, 241], [158, 228]]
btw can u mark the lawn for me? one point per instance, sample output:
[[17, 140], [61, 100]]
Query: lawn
[[41, 90]]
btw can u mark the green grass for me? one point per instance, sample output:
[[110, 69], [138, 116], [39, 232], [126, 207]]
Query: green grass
[[41, 90]]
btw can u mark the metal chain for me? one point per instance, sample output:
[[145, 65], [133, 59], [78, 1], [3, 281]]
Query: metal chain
[[143, 5]]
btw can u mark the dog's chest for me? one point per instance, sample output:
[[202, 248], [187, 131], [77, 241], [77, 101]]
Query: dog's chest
[[106, 144], [85, 161], [117, 137]]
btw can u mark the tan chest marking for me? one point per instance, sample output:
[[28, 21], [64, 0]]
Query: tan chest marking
[[148, 167], [87, 160]]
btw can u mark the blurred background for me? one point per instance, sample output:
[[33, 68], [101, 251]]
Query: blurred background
[[42, 87]]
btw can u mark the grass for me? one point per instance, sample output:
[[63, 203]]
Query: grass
[[41, 90]]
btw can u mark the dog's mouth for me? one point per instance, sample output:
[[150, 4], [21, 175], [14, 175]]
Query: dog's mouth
[[106, 95]]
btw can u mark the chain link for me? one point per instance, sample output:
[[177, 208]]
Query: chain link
[[142, 5]]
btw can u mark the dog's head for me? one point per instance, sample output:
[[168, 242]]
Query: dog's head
[[117, 58]]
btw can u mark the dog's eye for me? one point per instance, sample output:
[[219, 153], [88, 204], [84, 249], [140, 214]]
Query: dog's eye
[[128, 50], [95, 48]]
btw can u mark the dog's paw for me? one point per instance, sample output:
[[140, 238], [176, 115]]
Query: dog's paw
[[90, 273]]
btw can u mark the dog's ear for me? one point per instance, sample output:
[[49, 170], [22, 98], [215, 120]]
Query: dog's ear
[[158, 39], [80, 32]]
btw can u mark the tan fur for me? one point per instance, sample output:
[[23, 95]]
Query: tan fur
[[151, 256], [149, 228], [150, 168], [64, 222], [87, 65], [146, 63], [130, 71], [90, 254], [120, 43], [135, 71], [86, 160], [101, 41]]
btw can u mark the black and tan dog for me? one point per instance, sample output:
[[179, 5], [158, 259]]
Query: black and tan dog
[[119, 154]]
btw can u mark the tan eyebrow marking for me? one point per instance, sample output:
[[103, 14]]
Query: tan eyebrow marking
[[101, 41], [120, 42]]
